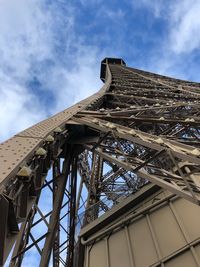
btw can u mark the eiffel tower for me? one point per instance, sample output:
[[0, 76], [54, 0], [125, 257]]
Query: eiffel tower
[[112, 181]]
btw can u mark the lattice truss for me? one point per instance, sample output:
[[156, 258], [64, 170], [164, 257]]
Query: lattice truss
[[64, 172]]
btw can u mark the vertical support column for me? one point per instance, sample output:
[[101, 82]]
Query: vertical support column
[[4, 206], [54, 220], [79, 194], [56, 173], [72, 213], [22, 240], [94, 188]]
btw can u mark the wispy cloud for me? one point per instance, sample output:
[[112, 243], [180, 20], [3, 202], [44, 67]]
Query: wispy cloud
[[179, 46], [114, 15], [51, 52], [24, 39], [18, 107], [185, 26], [47, 63], [182, 19], [41, 58], [156, 7]]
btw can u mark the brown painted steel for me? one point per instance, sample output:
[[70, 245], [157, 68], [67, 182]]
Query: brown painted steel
[[162, 230], [101, 157]]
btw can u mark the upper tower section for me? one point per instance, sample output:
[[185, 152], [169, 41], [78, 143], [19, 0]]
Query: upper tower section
[[109, 60]]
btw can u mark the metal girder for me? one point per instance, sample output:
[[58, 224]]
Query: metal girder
[[23, 156], [72, 214], [177, 152], [139, 128], [61, 182]]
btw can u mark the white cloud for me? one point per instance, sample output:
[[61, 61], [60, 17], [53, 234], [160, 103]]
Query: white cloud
[[155, 6], [185, 26], [183, 22], [79, 82], [90, 2], [114, 14], [25, 35], [29, 35], [180, 24], [17, 107], [24, 38]]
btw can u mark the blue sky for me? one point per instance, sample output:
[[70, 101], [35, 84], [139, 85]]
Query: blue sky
[[51, 49]]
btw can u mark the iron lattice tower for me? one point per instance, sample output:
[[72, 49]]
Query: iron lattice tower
[[139, 129]]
